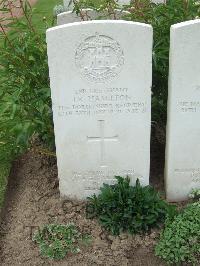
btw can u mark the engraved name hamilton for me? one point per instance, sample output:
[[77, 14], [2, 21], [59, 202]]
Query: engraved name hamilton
[[99, 58]]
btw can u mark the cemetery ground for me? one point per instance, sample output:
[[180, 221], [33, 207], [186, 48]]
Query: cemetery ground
[[33, 200]]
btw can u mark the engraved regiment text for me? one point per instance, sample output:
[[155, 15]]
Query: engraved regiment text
[[91, 102]]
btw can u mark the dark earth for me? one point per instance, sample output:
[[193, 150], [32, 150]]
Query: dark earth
[[32, 200]]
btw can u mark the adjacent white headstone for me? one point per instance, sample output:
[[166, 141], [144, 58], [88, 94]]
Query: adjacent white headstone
[[100, 74], [127, 2], [159, 1], [183, 127], [87, 14], [121, 2], [70, 17], [68, 4]]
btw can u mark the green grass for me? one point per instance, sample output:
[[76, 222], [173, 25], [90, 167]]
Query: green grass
[[43, 8], [4, 172]]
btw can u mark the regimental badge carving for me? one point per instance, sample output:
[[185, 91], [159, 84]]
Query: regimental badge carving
[[99, 58]]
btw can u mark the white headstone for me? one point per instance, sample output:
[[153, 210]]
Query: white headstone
[[67, 4], [159, 1], [87, 14], [127, 2], [100, 74], [183, 127], [70, 17], [121, 2]]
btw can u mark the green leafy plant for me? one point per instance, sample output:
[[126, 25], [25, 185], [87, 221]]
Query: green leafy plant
[[98, 5], [180, 240], [25, 109], [4, 172], [105, 9], [195, 194], [122, 207], [55, 240]]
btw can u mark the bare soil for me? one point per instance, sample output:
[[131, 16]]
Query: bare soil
[[33, 200]]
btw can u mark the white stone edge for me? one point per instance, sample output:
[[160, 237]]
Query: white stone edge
[[173, 30], [71, 12], [98, 22], [168, 126], [185, 24]]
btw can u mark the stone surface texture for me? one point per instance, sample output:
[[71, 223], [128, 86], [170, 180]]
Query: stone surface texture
[[100, 74], [183, 126]]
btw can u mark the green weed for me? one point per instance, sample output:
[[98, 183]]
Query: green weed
[[122, 207], [55, 240], [180, 240]]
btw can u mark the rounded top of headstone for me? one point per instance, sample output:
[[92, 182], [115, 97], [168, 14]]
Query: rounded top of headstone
[[95, 22], [185, 24]]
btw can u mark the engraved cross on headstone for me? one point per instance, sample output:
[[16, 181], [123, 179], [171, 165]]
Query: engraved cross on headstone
[[102, 139]]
